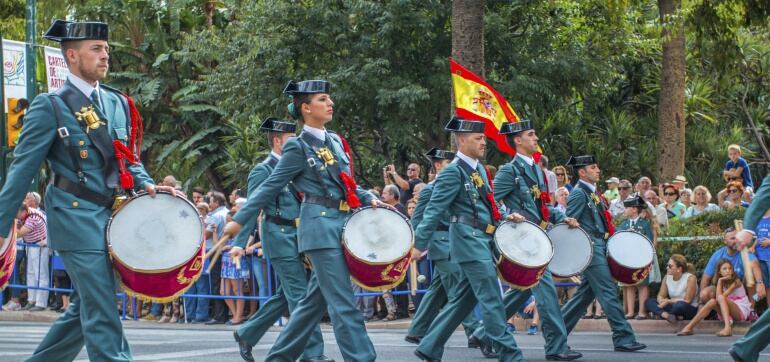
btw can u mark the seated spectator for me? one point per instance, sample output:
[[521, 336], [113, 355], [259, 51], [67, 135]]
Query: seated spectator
[[736, 166], [762, 251], [701, 202], [685, 197], [562, 194], [624, 191], [671, 198], [612, 191], [734, 196], [728, 252], [33, 230], [562, 177], [732, 302], [678, 295]]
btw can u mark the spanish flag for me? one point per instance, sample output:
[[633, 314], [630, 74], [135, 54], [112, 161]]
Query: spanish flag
[[475, 99]]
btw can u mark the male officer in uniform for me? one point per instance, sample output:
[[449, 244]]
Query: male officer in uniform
[[463, 189], [590, 210], [756, 339], [73, 129], [279, 242], [446, 273], [521, 186]]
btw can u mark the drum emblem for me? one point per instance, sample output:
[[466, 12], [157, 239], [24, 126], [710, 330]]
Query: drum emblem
[[183, 214], [181, 279], [398, 268]]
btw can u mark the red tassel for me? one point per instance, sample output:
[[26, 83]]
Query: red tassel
[[607, 216], [137, 128], [495, 211], [536, 156], [122, 154], [350, 190]]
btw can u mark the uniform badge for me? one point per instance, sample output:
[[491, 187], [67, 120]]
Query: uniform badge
[[326, 156], [88, 116], [536, 192], [84, 154], [595, 198], [477, 181]]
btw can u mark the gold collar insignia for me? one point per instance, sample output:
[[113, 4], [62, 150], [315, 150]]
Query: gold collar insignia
[[326, 156], [88, 116]]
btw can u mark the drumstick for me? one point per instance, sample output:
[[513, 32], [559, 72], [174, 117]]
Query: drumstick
[[217, 250], [237, 258], [413, 277], [745, 258]]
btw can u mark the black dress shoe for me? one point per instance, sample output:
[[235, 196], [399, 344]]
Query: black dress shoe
[[424, 357], [413, 339], [244, 348], [486, 348], [566, 356], [631, 347], [316, 359], [735, 355], [213, 322], [473, 342]]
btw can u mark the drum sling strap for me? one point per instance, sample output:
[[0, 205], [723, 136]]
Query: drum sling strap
[[476, 222], [538, 219], [76, 188]]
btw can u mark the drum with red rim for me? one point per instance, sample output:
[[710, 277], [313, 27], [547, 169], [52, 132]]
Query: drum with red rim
[[7, 257], [525, 251], [629, 255], [377, 244], [156, 245], [572, 251]]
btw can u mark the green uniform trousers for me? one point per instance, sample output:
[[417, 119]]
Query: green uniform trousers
[[755, 340], [92, 316], [554, 331], [293, 286], [329, 287], [443, 287], [478, 285], [598, 284]]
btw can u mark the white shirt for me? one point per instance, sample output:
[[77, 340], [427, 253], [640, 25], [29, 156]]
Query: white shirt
[[84, 87], [470, 161], [316, 132], [277, 156], [591, 187], [529, 160]]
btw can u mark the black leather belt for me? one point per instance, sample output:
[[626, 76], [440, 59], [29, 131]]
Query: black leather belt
[[279, 220], [82, 192], [470, 221], [329, 202], [442, 227]]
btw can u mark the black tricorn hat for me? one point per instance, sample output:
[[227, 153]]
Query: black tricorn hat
[[464, 126], [436, 154], [635, 201], [272, 124], [580, 161], [516, 127], [62, 30], [307, 87]]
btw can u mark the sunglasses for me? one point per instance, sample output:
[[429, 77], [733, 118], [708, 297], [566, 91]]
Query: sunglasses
[[700, 193], [733, 191], [669, 193], [671, 266], [625, 187], [559, 173]]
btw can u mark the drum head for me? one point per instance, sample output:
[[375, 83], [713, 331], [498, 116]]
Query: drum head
[[377, 236], [572, 250], [524, 243], [155, 235], [630, 249]]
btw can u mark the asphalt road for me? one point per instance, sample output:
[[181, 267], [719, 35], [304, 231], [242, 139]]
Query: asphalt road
[[150, 342]]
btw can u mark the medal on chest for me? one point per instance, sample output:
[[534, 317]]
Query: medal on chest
[[326, 156], [536, 192], [477, 180], [88, 116]]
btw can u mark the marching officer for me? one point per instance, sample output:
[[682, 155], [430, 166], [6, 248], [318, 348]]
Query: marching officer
[[279, 242], [757, 338], [463, 190], [74, 130], [317, 165], [587, 206], [446, 273], [522, 187]]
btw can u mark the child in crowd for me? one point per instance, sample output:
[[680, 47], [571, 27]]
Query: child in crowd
[[639, 219], [528, 310], [737, 166], [731, 302]]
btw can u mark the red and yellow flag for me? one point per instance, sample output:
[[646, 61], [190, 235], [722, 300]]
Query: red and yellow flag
[[475, 99]]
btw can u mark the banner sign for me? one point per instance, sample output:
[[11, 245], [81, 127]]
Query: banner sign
[[14, 70], [56, 71]]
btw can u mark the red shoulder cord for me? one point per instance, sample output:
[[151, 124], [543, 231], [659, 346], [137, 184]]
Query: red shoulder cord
[[347, 179], [545, 196], [131, 152], [491, 197], [607, 216]]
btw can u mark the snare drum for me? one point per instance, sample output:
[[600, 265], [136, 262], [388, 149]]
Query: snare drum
[[378, 247], [572, 251], [156, 245], [525, 251], [629, 255], [8, 257]]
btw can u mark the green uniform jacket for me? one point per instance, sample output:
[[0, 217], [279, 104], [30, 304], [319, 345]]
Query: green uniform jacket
[[511, 189], [73, 223], [453, 191], [277, 240], [302, 167], [580, 199], [438, 244]]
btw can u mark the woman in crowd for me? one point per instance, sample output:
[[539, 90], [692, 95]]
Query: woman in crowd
[[678, 295], [685, 197], [731, 302], [232, 281], [562, 177], [733, 197], [671, 199], [701, 202], [561, 199]]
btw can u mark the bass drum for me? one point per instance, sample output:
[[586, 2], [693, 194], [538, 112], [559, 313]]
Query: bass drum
[[572, 253], [378, 247], [629, 255], [156, 245], [525, 251]]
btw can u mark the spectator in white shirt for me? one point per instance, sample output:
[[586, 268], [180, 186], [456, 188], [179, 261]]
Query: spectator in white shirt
[[624, 191]]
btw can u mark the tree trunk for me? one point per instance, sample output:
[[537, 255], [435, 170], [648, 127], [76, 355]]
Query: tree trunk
[[671, 119], [468, 39]]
